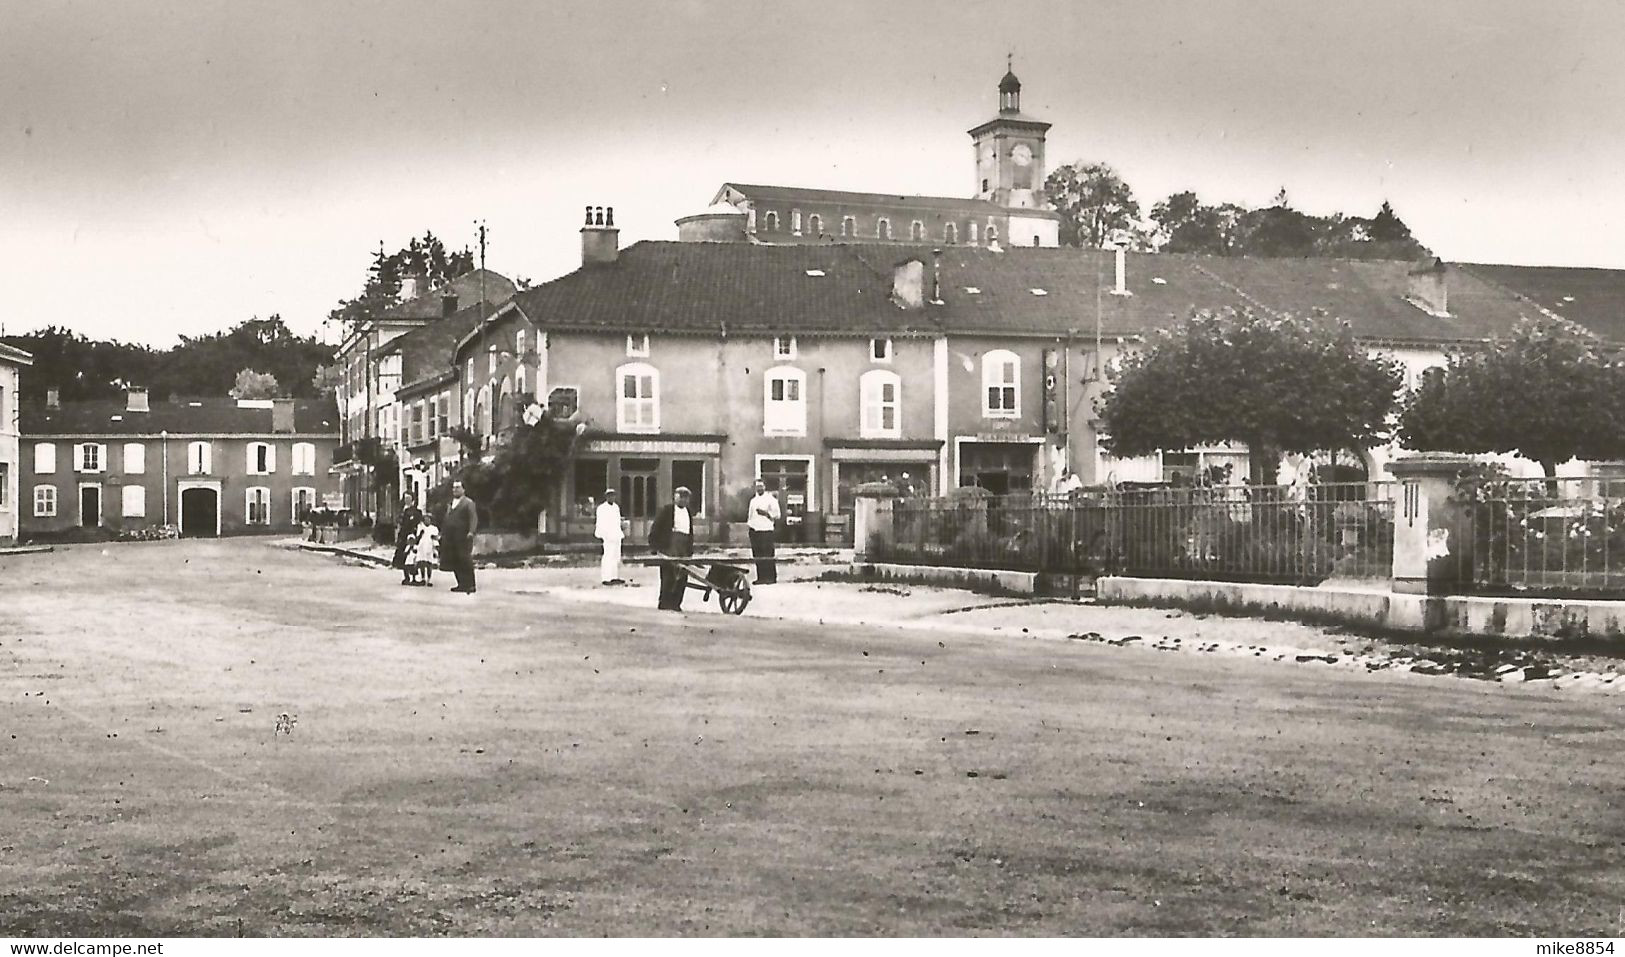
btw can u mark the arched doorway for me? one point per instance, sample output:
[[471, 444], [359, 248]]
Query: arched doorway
[[200, 512]]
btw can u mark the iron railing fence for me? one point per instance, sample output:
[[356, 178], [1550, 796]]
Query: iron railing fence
[[1541, 535], [1295, 534]]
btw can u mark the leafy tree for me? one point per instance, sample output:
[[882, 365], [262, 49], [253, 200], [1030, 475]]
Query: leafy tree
[[425, 257], [518, 481], [1095, 203], [81, 368], [1297, 384], [1550, 392], [255, 385]]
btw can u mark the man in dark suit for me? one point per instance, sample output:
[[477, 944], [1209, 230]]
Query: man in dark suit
[[457, 539], [672, 535]]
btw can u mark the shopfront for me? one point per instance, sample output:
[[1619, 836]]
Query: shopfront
[[645, 473]]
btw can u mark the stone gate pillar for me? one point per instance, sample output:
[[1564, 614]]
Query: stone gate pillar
[[871, 517], [1431, 548]]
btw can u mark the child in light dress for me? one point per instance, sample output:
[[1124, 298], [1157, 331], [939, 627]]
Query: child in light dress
[[426, 550]]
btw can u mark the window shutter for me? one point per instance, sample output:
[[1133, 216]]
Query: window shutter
[[248, 459], [101, 457], [78, 457], [270, 459]]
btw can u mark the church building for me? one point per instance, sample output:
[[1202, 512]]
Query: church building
[[1008, 209]]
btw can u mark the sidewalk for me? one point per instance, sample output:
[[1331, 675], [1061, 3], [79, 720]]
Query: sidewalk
[[800, 597]]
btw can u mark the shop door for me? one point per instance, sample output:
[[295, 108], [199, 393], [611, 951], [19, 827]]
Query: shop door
[[640, 495], [789, 479]]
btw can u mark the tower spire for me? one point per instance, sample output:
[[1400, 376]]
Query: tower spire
[[1009, 87]]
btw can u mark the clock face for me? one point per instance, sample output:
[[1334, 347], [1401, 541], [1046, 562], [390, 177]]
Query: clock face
[[1022, 154]]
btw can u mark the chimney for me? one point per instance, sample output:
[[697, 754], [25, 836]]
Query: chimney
[[413, 285], [908, 284], [53, 398], [1426, 288], [281, 415], [448, 303], [936, 277], [600, 240], [135, 400], [1121, 289]]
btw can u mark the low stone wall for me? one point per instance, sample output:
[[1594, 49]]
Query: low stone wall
[[1548, 619], [493, 543], [1021, 583]]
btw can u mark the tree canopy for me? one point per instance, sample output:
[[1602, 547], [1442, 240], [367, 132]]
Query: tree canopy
[[1293, 384], [1550, 392], [1096, 205], [1184, 224], [425, 257], [83, 368], [255, 385]]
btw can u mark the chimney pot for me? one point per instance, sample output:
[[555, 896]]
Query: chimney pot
[[1121, 288], [135, 400], [1427, 288], [600, 240]]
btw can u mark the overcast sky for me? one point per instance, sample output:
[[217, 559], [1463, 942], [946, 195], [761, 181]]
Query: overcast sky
[[174, 167]]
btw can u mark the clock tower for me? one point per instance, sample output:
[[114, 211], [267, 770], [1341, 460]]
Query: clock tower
[[1010, 152]]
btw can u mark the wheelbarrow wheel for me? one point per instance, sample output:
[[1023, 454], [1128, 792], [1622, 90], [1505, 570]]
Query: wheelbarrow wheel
[[734, 600]]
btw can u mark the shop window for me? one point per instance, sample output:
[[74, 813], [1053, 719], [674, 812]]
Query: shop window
[[690, 473]]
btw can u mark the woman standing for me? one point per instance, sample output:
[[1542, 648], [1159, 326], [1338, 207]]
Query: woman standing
[[405, 532]]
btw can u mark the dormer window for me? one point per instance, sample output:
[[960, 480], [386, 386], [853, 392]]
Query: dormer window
[[784, 347], [637, 345], [880, 350]]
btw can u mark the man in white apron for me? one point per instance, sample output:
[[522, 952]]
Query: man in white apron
[[610, 530]]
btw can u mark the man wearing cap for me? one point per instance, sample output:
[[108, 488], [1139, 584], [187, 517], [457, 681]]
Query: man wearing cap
[[672, 535], [610, 530]]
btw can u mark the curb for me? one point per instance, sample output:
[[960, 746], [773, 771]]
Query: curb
[[346, 552], [27, 549]]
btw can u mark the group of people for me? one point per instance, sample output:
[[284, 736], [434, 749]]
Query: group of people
[[672, 535], [420, 544]]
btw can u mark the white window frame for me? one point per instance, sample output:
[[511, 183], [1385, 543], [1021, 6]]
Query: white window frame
[[82, 457], [248, 505], [200, 464], [880, 350], [795, 222], [251, 464], [784, 416], [849, 226], [784, 347], [916, 232], [519, 383], [304, 458], [519, 345], [973, 234], [770, 222], [991, 234], [293, 501], [45, 504], [950, 233], [623, 402], [815, 225], [135, 458], [994, 363], [883, 228], [137, 494], [44, 458], [637, 345], [872, 404]]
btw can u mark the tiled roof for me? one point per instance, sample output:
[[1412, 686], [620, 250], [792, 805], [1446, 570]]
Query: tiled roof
[[180, 416], [1595, 298], [705, 288], [800, 194], [429, 350], [468, 287]]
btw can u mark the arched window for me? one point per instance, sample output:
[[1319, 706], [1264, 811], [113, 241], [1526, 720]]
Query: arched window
[[795, 222], [504, 409], [883, 228], [815, 225], [973, 234], [916, 231], [849, 226], [470, 414], [519, 382], [484, 410], [784, 401], [1001, 384], [950, 233], [770, 222], [880, 397], [992, 234], [637, 408]]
